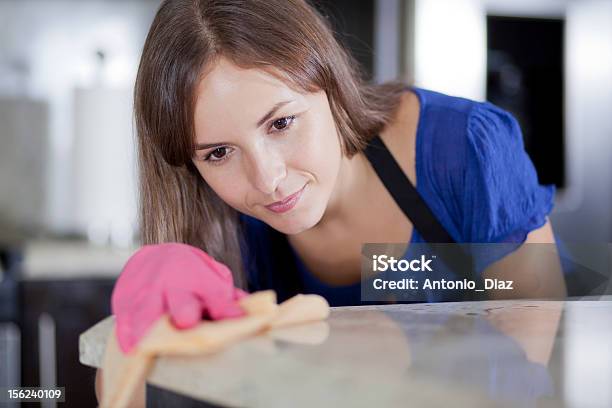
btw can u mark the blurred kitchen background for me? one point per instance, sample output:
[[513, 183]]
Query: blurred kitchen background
[[67, 171]]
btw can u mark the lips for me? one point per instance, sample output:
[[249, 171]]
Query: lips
[[287, 203]]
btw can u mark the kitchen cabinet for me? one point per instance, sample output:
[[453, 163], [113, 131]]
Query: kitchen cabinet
[[54, 313], [50, 292]]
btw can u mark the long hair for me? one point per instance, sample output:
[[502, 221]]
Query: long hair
[[287, 38]]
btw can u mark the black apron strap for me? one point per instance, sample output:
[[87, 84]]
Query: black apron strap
[[405, 194], [414, 207]]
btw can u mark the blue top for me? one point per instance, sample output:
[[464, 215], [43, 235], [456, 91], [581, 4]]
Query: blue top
[[471, 170]]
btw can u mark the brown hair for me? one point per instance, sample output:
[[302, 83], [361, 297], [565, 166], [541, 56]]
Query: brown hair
[[285, 37]]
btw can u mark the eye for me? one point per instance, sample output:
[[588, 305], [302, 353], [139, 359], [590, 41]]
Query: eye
[[217, 155], [282, 124]]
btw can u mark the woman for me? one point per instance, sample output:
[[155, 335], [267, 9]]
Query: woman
[[258, 144], [252, 125]]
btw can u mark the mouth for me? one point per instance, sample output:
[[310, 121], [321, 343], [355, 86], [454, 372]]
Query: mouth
[[287, 203]]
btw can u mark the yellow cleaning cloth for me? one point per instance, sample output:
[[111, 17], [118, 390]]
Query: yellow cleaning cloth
[[123, 376]]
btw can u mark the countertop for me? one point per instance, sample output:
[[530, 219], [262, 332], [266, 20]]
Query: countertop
[[473, 354]]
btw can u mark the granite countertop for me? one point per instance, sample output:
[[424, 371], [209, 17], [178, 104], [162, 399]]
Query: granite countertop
[[473, 354]]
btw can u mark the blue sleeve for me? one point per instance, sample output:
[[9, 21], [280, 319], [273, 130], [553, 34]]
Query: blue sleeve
[[502, 198]]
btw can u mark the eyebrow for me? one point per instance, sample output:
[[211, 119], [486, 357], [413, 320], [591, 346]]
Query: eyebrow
[[264, 118]]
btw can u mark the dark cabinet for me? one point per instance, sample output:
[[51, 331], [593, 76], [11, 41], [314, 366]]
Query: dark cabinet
[[54, 314], [41, 321]]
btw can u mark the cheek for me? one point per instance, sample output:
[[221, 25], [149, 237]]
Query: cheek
[[227, 185], [226, 192], [318, 150]]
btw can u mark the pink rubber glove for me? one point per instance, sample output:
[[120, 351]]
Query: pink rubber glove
[[172, 278]]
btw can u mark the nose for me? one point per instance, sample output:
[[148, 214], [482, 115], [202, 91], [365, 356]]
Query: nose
[[267, 170]]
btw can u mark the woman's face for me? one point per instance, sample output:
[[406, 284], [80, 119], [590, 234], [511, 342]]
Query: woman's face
[[260, 142]]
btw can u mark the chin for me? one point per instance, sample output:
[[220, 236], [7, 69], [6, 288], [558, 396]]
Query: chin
[[292, 227], [296, 223]]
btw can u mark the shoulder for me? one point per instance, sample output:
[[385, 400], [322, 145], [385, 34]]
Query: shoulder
[[456, 134], [447, 122], [432, 100], [476, 171], [428, 123]]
